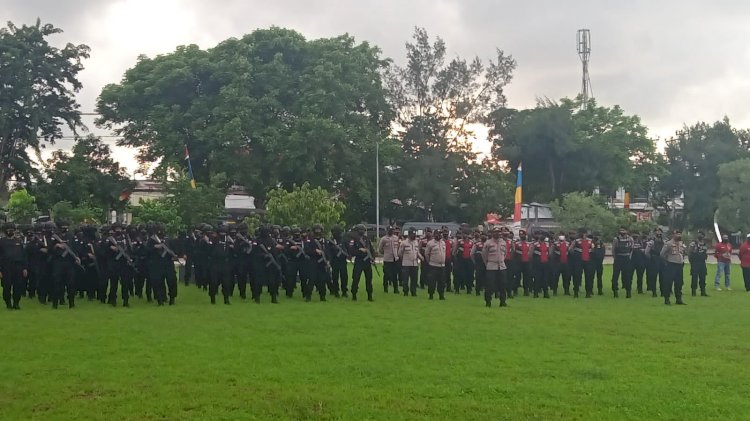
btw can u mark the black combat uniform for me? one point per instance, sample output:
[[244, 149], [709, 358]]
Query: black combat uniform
[[13, 264]]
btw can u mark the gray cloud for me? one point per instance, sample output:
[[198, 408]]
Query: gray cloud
[[668, 61]]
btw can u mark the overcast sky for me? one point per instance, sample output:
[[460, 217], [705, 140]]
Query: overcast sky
[[671, 62]]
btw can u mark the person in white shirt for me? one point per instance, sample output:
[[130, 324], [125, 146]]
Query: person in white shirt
[[409, 255], [493, 256]]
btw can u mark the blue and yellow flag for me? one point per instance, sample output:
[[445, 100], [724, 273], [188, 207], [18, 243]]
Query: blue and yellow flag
[[190, 167]]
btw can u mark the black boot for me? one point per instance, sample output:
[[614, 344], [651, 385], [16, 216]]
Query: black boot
[[323, 298], [628, 294], [71, 302], [680, 302], [171, 301], [503, 303], [257, 300], [653, 294], [536, 294], [588, 294], [600, 292], [442, 297], [554, 292], [125, 303], [354, 296], [703, 292], [693, 293], [8, 305], [488, 304], [274, 300], [226, 300], [406, 293], [213, 299], [16, 305], [369, 296], [431, 297], [575, 294], [616, 294], [344, 294], [567, 291], [54, 304], [546, 294], [666, 301]]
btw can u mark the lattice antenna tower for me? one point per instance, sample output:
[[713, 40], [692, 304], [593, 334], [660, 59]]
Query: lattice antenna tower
[[583, 38]]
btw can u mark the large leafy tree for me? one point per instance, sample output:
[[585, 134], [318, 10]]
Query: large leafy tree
[[565, 148], [270, 109], [22, 207], [305, 206], [694, 156], [734, 196], [38, 83], [87, 175], [438, 104]]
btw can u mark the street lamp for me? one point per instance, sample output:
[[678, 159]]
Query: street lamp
[[377, 188]]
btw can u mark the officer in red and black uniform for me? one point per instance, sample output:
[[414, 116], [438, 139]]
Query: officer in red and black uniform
[[464, 266], [581, 260], [523, 263], [448, 259], [541, 264], [561, 249]]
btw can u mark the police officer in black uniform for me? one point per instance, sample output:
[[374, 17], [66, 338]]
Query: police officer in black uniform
[[337, 249], [361, 249], [697, 255], [13, 264], [597, 261], [317, 264], [295, 260], [622, 249], [64, 264]]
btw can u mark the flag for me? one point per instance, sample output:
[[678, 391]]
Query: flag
[[519, 195], [190, 167], [626, 200]]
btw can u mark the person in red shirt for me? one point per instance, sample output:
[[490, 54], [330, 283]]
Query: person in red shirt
[[745, 262], [560, 264], [523, 263], [723, 255]]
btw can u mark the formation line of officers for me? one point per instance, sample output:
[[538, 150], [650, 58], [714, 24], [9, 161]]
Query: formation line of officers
[[114, 263]]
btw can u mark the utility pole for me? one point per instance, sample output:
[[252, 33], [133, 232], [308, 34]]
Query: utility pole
[[583, 38]]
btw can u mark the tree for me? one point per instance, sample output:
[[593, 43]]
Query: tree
[[22, 207], [88, 175], [694, 156], [304, 206], [203, 204], [437, 103], [38, 83], [734, 196], [82, 213], [565, 148], [580, 210], [159, 211], [270, 109]]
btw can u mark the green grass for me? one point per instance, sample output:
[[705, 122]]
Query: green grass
[[397, 358]]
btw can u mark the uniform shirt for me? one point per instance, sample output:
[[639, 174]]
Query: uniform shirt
[[723, 252], [541, 252], [12, 251], [355, 245], [435, 253], [698, 251], [493, 254], [448, 250], [522, 250], [745, 255], [654, 246], [476, 252], [561, 251], [508, 250], [582, 249], [596, 249], [388, 247], [463, 248], [295, 255], [408, 251], [623, 246], [673, 251], [337, 250]]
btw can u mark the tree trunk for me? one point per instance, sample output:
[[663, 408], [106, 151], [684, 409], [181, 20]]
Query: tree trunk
[[551, 167]]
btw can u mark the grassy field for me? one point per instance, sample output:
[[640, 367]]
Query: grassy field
[[397, 358]]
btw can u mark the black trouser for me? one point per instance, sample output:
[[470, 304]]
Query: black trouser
[[141, 280], [745, 277], [243, 274], [481, 275], [672, 279], [32, 281], [436, 280], [14, 284], [160, 273], [698, 272], [202, 272], [524, 276], [317, 276], [448, 272], [583, 269], [495, 282], [597, 265], [622, 266], [63, 278], [561, 270], [340, 274], [653, 271], [390, 275], [361, 267], [294, 269], [89, 280], [220, 275], [541, 276], [45, 286], [409, 279], [119, 273], [189, 259], [423, 275], [465, 271], [639, 268], [268, 275]]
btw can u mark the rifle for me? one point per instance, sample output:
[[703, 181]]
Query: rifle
[[271, 260], [68, 250], [322, 254], [340, 250], [369, 257], [246, 241], [166, 249], [120, 251]]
